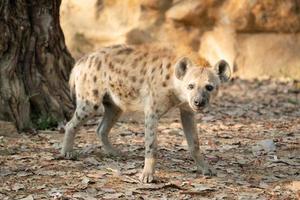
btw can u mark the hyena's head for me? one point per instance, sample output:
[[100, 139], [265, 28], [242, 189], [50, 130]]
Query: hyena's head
[[199, 85]]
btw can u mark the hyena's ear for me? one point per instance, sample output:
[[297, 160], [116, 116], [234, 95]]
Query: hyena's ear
[[223, 70], [181, 67]]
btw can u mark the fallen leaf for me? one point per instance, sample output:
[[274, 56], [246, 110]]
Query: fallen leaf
[[113, 196], [18, 186], [84, 196], [29, 197]]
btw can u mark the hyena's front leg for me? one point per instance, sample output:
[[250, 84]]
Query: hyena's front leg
[[151, 122], [191, 133]]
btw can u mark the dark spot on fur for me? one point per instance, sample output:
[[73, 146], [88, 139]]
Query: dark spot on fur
[[135, 62], [96, 93], [145, 54], [95, 61], [83, 108], [77, 116], [95, 78], [164, 84], [111, 67], [104, 74], [82, 60], [152, 77], [141, 80], [120, 61], [153, 70], [109, 77], [112, 85], [91, 61], [143, 70], [133, 78], [118, 71], [168, 65], [99, 65], [154, 58], [126, 51], [125, 72], [161, 71], [167, 77], [96, 107], [87, 102]]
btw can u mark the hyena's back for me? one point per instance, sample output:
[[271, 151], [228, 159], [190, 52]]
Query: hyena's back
[[125, 73]]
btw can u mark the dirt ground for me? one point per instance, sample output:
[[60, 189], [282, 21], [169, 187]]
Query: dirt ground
[[251, 135]]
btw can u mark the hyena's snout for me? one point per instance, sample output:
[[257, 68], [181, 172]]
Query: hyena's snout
[[201, 100]]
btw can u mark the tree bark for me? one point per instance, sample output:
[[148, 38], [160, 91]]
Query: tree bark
[[34, 62]]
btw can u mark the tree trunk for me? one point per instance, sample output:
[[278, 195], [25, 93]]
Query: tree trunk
[[34, 62]]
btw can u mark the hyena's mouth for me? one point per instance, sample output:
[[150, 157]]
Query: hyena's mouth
[[198, 109]]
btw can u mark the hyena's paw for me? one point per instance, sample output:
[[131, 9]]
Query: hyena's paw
[[146, 177], [69, 155], [207, 170], [113, 152]]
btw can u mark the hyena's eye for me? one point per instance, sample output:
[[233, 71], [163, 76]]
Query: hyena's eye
[[209, 87], [191, 86]]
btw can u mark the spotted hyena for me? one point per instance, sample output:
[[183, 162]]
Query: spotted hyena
[[152, 80]]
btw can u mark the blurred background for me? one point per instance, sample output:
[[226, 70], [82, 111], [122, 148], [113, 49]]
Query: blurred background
[[260, 39]]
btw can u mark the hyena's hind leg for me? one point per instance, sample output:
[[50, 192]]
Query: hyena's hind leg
[[111, 114], [83, 112]]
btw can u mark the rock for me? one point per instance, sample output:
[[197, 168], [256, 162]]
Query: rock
[[187, 11], [18, 186], [83, 195], [85, 181], [247, 15], [220, 43], [87, 29], [266, 146], [229, 29], [257, 60], [138, 36], [156, 4], [29, 197]]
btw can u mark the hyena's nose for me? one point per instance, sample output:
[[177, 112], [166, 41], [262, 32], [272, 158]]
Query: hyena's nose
[[199, 103]]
